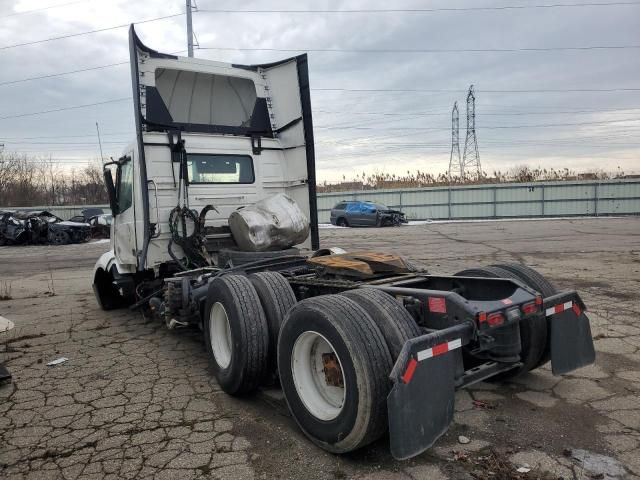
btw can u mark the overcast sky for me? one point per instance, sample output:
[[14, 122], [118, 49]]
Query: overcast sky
[[355, 131]]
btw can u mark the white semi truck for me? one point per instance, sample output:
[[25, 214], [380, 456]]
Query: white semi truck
[[361, 343]]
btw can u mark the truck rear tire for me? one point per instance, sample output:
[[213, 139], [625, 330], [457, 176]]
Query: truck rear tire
[[334, 366], [236, 334], [536, 281], [530, 277], [277, 298], [395, 323], [533, 332]]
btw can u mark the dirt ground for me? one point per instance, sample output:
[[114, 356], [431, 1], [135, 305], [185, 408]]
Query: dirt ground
[[135, 400]]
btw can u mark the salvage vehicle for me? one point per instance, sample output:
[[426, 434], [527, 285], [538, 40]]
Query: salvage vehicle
[[356, 213], [100, 225], [38, 227], [99, 221], [86, 214], [215, 226]]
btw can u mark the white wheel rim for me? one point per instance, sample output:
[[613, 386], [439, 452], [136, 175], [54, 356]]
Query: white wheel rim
[[220, 335], [323, 401]]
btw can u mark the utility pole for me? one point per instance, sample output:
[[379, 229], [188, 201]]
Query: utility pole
[[100, 143], [455, 162], [471, 157], [189, 30]]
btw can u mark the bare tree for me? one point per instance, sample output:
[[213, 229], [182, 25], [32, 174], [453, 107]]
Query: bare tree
[[29, 181]]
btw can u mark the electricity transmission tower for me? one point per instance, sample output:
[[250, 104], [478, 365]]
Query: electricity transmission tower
[[455, 162], [471, 157]]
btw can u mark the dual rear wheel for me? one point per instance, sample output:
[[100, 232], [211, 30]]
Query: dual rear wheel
[[333, 353]]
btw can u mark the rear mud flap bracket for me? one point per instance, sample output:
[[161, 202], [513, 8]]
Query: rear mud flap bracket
[[421, 402]]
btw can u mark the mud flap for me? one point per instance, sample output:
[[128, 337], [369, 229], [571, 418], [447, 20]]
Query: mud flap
[[420, 404], [571, 341]]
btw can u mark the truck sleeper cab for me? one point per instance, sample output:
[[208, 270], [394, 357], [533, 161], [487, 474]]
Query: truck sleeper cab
[[362, 342]]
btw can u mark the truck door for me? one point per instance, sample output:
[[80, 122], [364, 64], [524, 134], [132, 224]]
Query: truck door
[[124, 222]]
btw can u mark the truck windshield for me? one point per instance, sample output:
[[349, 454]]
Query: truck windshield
[[204, 168]]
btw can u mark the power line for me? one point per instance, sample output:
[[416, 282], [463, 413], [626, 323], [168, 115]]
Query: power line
[[71, 35], [621, 111], [73, 107], [71, 72], [65, 143], [427, 50], [66, 136], [427, 90], [489, 127], [357, 90], [23, 12], [433, 10], [11, 82]]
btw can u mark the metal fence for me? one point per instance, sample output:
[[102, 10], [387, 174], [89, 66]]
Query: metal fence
[[65, 212], [538, 199]]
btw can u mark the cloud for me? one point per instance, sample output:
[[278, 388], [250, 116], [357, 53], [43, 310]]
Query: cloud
[[355, 131]]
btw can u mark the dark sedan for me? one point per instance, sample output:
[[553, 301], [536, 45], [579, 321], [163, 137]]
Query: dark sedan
[[99, 221], [357, 213]]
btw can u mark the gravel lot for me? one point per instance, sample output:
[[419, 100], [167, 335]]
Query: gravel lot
[[135, 400]]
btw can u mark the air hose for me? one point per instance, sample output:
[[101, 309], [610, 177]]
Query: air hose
[[187, 231], [186, 226]]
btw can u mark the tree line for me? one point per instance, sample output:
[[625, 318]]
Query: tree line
[[519, 174], [27, 181]]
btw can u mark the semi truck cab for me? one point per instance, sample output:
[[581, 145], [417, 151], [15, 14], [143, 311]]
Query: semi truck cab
[[244, 132]]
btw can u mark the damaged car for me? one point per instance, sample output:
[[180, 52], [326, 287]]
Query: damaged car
[[356, 213], [40, 227], [99, 221]]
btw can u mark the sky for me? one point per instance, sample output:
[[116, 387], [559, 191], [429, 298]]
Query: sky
[[375, 112]]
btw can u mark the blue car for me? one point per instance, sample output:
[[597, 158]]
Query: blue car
[[356, 213]]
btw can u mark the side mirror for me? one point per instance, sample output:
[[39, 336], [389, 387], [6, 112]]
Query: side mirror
[[111, 191]]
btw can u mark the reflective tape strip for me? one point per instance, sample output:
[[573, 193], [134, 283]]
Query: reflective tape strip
[[439, 349], [576, 309], [411, 369], [558, 308]]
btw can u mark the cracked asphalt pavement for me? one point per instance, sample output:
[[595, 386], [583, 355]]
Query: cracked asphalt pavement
[[135, 400]]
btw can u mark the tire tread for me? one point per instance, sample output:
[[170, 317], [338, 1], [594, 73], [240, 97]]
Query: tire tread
[[395, 323], [253, 328]]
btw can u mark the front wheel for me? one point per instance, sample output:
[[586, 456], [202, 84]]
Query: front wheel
[[334, 366], [59, 237], [342, 222]]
